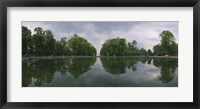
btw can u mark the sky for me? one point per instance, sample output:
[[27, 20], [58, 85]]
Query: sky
[[146, 33]]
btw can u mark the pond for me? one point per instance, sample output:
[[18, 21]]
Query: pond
[[100, 72]]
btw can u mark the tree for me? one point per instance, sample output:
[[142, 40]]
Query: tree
[[38, 40], [62, 48], [49, 42], [149, 52], [26, 41], [43, 42], [134, 43], [131, 48], [167, 38], [114, 47], [167, 45], [158, 50], [79, 46], [173, 49], [142, 51]]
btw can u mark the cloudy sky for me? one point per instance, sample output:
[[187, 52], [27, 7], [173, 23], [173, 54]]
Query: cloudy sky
[[145, 33]]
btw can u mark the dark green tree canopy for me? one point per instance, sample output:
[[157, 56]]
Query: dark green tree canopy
[[167, 38], [114, 47], [79, 46], [61, 47], [118, 47], [167, 45], [26, 40], [42, 43]]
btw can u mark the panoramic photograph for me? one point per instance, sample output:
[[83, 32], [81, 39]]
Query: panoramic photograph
[[99, 53]]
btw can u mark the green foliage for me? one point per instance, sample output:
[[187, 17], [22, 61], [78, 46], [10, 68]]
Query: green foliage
[[150, 53], [62, 48], [131, 48], [49, 43], [79, 46], [167, 45], [114, 47], [118, 47], [158, 50], [42, 43], [26, 40]]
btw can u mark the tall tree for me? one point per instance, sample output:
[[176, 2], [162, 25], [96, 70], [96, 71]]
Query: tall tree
[[39, 39], [149, 52], [49, 43], [114, 47], [62, 48], [132, 48], [134, 43], [26, 41], [167, 45], [43, 42], [79, 46]]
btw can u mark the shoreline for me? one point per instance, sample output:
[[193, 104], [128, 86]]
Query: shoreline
[[62, 57]]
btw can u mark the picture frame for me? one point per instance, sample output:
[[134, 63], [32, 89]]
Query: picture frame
[[99, 3]]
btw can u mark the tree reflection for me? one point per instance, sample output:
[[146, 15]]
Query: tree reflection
[[118, 65], [168, 68], [61, 65], [131, 63], [26, 75], [143, 60], [77, 66], [42, 71], [37, 72], [149, 61]]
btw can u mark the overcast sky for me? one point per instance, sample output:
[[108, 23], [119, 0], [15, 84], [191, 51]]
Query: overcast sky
[[145, 33]]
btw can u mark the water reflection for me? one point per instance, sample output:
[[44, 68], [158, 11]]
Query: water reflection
[[74, 66], [42, 71], [149, 61], [88, 72], [77, 67], [118, 65], [37, 72], [167, 69]]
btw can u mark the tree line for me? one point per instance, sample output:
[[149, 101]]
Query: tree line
[[119, 47], [42, 43]]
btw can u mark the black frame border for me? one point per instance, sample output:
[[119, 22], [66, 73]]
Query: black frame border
[[99, 3]]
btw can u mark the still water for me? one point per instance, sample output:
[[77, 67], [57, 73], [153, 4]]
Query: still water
[[100, 72]]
